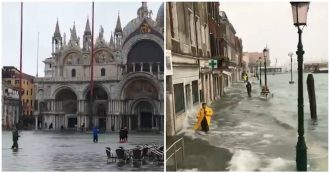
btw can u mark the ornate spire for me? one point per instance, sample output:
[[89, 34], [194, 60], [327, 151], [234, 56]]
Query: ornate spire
[[57, 32], [87, 28], [100, 42], [64, 38], [118, 26], [73, 32], [144, 5], [74, 40], [143, 11], [112, 44]]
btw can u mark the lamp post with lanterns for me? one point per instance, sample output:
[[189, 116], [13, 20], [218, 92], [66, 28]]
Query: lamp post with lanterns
[[265, 63], [299, 12], [265, 90], [256, 74], [260, 70], [290, 55]]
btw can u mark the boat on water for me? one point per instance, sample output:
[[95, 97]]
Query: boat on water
[[321, 70], [274, 70]]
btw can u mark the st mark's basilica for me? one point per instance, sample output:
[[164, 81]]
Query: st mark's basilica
[[128, 75]]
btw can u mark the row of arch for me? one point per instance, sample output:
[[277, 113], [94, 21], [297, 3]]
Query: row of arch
[[149, 81], [73, 72]]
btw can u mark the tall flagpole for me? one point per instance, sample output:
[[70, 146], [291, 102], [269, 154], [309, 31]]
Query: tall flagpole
[[38, 56], [20, 67], [92, 71]]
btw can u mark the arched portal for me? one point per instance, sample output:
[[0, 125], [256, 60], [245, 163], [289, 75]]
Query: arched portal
[[144, 111], [145, 60], [67, 102], [68, 99], [142, 95], [97, 108]]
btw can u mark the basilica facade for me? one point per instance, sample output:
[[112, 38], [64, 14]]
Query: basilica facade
[[128, 78]]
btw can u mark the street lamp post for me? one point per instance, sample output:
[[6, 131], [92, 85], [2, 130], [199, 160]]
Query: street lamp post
[[299, 11], [260, 70], [265, 90], [291, 54], [265, 61], [257, 75]]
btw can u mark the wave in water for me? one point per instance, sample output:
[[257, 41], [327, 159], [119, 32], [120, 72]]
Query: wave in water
[[244, 160]]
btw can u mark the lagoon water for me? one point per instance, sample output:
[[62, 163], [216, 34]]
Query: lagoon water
[[253, 134]]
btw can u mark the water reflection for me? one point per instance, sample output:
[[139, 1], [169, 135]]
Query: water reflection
[[53, 151]]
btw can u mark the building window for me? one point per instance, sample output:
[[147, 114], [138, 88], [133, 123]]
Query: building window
[[35, 105], [179, 98], [31, 103], [175, 20], [16, 81], [9, 82], [192, 28], [50, 65], [203, 33], [102, 72], [73, 73], [27, 92], [198, 31], [195, 91], [188, 96], [31, 91]]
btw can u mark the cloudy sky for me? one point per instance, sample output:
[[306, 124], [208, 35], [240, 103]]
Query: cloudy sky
[[257, 23], [271, 23], [41, 17]]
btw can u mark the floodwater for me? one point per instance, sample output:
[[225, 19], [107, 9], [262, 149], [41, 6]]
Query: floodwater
[[254, 134], [69, 151]]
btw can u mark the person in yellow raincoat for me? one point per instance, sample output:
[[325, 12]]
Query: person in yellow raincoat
[[204, 118]]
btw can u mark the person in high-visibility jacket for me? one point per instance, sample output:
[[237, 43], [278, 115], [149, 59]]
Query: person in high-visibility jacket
[[204, 118]]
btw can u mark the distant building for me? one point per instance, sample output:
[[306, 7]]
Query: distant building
[[231, 46], [253, 60], [10, 105], [10, 75], [220, 73], [315, 66]]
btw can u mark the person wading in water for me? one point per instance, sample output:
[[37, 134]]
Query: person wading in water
[[204, 118], [249, 88]]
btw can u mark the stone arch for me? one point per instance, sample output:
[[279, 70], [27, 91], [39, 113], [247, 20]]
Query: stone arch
[[144, 113], [85, 94], [138, 54], [43, 107], [136, 104], [99, 105], [68, 99], [104, 56], [64, 87], [143, 77], [77, 55], [129, 44]]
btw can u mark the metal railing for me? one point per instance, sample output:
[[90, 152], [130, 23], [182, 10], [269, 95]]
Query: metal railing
[[174, 153]]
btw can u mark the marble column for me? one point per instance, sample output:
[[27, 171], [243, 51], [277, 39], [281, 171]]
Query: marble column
[[36, 122], [158, 67]]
